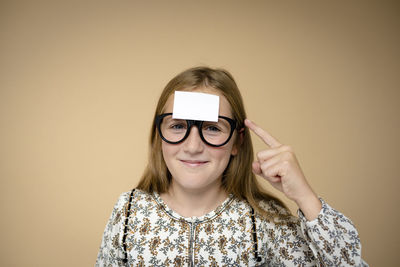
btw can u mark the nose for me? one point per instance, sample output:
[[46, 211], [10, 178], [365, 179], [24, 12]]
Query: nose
[[193, 143]]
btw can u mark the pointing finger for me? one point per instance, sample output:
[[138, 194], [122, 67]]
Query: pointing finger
[[264, 135]]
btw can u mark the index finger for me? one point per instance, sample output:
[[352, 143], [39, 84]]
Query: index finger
[[264, 135]]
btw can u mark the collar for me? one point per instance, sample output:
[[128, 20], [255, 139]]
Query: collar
[[206, 217]]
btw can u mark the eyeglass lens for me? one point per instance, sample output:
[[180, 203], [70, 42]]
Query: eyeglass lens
[[216, 133]]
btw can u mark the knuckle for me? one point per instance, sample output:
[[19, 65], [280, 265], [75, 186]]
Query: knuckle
[[264, 168], [268, 172], [287, 148]]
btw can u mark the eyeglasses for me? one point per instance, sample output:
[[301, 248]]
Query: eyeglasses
[[174, 131]]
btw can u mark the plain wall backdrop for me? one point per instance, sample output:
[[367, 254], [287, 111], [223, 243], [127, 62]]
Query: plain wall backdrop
[[79, 81]]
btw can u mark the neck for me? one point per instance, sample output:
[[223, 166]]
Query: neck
[[193, 202]]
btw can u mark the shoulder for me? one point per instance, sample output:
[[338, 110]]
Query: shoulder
[[278, 218], [270, 213], [273, 207], [274, 210], [133, 195], [128, 200]]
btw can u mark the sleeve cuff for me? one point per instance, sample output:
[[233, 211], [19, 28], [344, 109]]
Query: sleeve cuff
[[320, 214]]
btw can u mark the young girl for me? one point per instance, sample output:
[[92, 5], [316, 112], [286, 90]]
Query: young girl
[[199, 202]]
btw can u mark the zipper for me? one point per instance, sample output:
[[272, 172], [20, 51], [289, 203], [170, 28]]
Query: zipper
[[191, 243]]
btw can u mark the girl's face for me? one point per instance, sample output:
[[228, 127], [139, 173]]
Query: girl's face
[[193, 164]]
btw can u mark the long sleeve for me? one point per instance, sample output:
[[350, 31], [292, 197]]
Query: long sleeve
[[110, 253], [332, 238], [329, 240]]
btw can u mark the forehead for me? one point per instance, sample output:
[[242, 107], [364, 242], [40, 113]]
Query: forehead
[[224, 106]]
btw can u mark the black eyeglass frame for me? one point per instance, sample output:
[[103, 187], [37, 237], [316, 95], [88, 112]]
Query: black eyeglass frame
[[196, 123]]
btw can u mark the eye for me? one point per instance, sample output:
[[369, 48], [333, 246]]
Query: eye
[[212, 128], [177, 126]]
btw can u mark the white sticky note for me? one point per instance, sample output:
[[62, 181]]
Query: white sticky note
[[195, 106]]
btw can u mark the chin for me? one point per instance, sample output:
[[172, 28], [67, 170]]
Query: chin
[[196, 183]]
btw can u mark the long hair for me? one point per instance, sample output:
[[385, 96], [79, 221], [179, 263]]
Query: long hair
[[238, 178]]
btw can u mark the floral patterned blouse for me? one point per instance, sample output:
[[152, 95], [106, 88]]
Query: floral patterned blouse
[[158, 236]]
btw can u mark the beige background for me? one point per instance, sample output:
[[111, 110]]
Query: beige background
[[79, 82]]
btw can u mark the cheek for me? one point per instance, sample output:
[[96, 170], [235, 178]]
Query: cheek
[[167, 150], [223, 155], [167, 154]]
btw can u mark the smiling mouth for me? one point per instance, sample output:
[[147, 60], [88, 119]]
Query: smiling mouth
[[194, 163]]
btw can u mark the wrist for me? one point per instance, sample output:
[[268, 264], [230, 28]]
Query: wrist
[[310, 205]]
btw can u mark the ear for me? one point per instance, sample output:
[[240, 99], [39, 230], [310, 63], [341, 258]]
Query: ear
[[236, 144], [234, 150]]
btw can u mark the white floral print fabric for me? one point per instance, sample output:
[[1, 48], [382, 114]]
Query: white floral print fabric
[[158, 236]]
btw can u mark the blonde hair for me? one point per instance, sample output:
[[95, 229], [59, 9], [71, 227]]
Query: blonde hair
[[238, 178]]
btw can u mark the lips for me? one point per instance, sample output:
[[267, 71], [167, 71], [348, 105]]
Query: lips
[[194, 163]]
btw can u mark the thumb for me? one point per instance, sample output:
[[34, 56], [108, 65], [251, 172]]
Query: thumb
[[256, 168]]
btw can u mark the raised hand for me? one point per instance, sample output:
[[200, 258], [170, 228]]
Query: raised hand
[[279, 166]]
